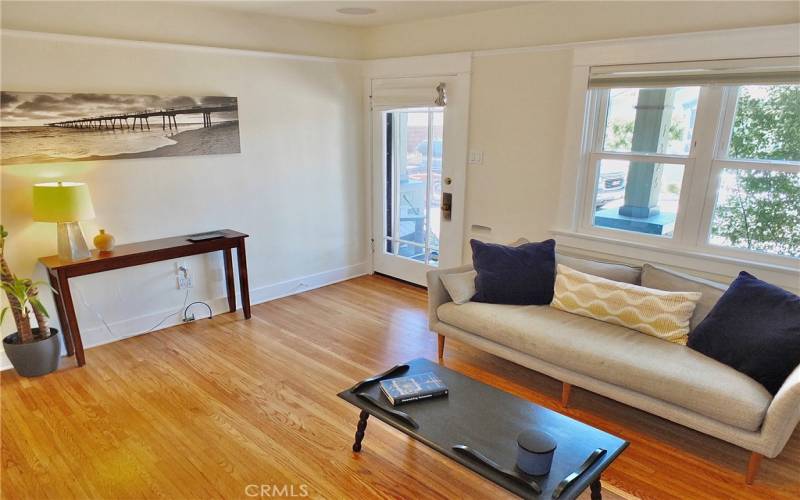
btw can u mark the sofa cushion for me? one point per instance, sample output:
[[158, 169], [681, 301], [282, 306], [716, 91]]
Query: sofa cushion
[[619, 356], [662, 314], [673, 281], [514, 275], [754, 328], [608, 270], [460, 286]]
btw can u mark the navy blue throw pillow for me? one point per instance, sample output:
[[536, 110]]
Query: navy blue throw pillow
[[754, 328], [520, 275]]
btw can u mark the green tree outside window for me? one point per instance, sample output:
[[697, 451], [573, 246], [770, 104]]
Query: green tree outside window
[[761, 209]]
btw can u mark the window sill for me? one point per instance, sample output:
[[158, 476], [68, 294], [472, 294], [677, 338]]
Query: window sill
[[720, 268]]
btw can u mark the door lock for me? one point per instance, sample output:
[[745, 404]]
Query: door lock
[[447, 206], [448, 181]]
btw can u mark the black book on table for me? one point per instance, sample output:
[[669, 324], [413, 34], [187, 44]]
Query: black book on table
[[211, 235], [413, 388]]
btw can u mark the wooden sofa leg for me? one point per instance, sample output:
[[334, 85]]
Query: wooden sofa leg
[[752, 467], [566, 391], [441, 346]]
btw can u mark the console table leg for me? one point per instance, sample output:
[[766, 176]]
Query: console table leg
[[596, 489], [69, 309], [229, 284], [62, 316], [244, 288], [362, 426]]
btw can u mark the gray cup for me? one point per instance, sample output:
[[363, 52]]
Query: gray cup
[[535, 452]]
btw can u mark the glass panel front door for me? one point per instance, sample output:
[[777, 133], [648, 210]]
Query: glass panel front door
[[413, 145]]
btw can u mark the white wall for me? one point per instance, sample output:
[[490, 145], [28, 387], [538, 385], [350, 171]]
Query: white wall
[[193, 23], [544, 23], [517, 120], [296, 188]]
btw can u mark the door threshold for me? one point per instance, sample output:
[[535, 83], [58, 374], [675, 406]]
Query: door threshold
[[395, 278]]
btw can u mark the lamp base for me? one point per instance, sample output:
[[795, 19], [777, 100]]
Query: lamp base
[[71, 243]]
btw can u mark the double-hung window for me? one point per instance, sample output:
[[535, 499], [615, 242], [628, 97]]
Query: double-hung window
[[700, 156]]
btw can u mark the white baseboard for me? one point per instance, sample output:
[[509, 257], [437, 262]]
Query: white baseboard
[[139, 325], [306, 283]]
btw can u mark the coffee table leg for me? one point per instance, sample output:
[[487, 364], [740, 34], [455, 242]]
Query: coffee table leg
[[596, 490], [362, 426]]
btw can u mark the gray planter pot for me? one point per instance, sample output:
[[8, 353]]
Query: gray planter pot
[[40, 357]]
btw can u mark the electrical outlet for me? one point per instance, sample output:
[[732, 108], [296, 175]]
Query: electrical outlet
[[182, 277], [184, 283]]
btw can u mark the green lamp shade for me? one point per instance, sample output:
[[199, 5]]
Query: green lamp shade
[[62, 202]]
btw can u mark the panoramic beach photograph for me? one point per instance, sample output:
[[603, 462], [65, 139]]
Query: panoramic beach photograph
[[65, 127]]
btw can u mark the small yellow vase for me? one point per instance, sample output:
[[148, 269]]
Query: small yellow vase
[[104, 241]]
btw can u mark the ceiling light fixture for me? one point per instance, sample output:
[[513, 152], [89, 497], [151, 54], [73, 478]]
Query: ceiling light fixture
[[356, 11]]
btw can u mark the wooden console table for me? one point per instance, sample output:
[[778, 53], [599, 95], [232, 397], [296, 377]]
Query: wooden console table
[[136, 254]]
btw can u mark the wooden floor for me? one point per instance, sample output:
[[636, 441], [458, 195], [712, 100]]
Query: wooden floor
[[206, 409]]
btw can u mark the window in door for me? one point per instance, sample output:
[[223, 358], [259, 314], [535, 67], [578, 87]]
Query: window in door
[[413, 145]]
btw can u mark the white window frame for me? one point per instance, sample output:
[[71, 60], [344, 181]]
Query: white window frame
[[595, 154], [703, 165], [721, 161], [394, 240], [719, 263]]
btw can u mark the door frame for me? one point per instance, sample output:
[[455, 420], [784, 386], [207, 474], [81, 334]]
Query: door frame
[[455, 68]]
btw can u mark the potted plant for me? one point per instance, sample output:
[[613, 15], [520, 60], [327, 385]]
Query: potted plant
[[32, 351]]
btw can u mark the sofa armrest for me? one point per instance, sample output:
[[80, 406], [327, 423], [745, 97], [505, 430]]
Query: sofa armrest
[[782, 416], [437, 295]]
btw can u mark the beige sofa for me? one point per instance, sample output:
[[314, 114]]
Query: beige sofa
[[663, 378]]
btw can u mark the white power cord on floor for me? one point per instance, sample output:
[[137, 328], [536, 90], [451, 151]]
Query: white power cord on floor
[[185, 300], [107, 327], [91, 309]]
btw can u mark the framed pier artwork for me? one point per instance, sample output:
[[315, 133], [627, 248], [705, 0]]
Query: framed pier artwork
[[61, 127]]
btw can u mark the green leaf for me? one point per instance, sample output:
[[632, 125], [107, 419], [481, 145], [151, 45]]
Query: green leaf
[[3, 314], [18, 288]]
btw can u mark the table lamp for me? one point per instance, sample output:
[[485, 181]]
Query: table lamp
[[65, 203]]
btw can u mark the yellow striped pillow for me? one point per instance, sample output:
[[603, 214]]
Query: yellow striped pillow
[[658, 313]]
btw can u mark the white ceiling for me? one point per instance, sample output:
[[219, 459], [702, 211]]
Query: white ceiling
[[387, 12]]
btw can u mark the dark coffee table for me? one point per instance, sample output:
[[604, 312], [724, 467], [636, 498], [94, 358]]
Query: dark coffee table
[[488, 421]]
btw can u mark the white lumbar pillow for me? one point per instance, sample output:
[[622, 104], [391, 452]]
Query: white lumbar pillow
[[460, 286]]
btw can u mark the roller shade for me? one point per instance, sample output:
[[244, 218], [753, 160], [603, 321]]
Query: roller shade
[[405, 92], [768, 70]]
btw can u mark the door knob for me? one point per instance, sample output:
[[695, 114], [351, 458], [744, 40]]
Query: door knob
[[448, 181]]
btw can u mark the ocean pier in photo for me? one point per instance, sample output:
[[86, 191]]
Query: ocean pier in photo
[[168, 119]]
